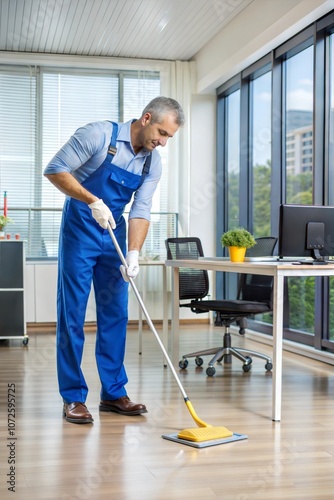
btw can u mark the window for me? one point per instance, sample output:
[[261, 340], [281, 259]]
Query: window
[[261, 154], [69, 100], [296, 80], [233, 157], [39, 109], [299, 124], [331, 172], [299, 181], [18, 135]]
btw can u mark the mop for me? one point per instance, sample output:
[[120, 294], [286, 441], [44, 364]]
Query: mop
[[205, 434]]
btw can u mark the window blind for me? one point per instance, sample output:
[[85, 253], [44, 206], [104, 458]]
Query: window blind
[[18, 152], [69, 101], [138, 91], [39, 109]]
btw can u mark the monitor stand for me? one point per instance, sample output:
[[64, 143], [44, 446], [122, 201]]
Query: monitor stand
[[317, 259], [315, 237]]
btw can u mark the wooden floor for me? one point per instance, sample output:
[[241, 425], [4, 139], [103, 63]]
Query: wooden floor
[[126, 458]]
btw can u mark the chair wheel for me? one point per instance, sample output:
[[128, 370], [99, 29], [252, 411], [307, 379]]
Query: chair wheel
[[210, 371], [247, 366], [268, 366], [199, 361], [183, 364]]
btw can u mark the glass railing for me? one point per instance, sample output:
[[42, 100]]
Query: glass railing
[[39, 227]]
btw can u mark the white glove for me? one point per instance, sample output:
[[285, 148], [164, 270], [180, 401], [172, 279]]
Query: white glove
[[102, 214], [133, 265]]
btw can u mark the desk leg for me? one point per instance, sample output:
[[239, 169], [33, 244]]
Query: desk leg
[[175, 316], [165, 312], [278, 301]]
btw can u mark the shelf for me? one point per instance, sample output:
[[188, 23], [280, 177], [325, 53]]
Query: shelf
[[12, 302]]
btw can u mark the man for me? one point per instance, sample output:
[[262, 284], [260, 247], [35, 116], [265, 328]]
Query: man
[[99, 169]]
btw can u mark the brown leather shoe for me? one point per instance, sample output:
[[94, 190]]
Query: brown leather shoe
[[123, 406], [77, 413]]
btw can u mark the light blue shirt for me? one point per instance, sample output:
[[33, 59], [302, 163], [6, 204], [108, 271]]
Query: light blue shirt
[[86, 150]]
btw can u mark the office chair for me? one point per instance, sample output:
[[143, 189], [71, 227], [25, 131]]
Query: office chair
[[265, 246], [254, 297]]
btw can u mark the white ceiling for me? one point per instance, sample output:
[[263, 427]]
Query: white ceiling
[[150, 29]]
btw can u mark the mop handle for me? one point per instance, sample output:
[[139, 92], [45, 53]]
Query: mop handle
[[142, 305]]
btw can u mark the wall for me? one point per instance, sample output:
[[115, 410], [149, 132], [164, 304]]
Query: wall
[[203, 171], [259, 28]]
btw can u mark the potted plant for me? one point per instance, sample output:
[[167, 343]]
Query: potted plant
[[237, 240], [4, 220]]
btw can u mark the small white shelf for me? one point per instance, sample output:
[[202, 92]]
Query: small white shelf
[[12, 302]]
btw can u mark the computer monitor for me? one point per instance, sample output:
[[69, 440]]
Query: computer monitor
[[306, 231]]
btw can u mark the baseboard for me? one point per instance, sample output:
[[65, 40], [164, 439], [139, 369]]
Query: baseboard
[[290, 346], [91, 325]]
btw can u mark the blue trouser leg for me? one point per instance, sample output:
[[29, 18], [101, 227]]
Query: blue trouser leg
[[78, 251], [72, 299], [111, 294]]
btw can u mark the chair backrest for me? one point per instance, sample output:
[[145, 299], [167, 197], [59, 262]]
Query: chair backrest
[[254, 287], [193, 283], [264, 246]]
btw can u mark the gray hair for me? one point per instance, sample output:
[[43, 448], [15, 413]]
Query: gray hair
[[161, 106]]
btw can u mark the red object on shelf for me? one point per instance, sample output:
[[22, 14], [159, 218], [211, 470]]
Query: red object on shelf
[[5, 204]]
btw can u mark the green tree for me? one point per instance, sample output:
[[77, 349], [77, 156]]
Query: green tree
[[261, 201], [233, 200], [301, 304], [299, 188]]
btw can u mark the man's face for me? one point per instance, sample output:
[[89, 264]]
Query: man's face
[[157, 134]]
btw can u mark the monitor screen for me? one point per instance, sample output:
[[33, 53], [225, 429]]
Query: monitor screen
[[306, 231]]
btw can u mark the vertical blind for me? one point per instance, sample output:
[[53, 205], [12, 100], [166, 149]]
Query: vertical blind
[[39, 109]]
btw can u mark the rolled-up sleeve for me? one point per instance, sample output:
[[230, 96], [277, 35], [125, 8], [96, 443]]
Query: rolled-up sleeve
[[85, 143]]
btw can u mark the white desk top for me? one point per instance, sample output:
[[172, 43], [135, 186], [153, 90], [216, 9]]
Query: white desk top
[[266, 268]]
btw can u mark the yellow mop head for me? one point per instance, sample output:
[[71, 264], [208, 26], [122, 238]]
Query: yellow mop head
[[204, 434], [205, 431]]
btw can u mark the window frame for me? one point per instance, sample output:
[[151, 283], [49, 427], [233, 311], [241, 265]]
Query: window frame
[[316, 34]]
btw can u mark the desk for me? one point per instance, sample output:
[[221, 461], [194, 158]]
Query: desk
[[142, 279], [276, 269]]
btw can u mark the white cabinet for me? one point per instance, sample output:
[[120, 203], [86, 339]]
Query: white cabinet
[[12, 302]]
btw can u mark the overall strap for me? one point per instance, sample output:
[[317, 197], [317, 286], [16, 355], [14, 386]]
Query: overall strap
[[147, 164], [112, 151], [112, 146], [146, 169]]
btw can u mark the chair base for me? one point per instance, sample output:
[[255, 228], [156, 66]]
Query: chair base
[[225, 353]]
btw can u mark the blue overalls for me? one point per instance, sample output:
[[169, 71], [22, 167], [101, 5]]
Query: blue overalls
[[86, 253]]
